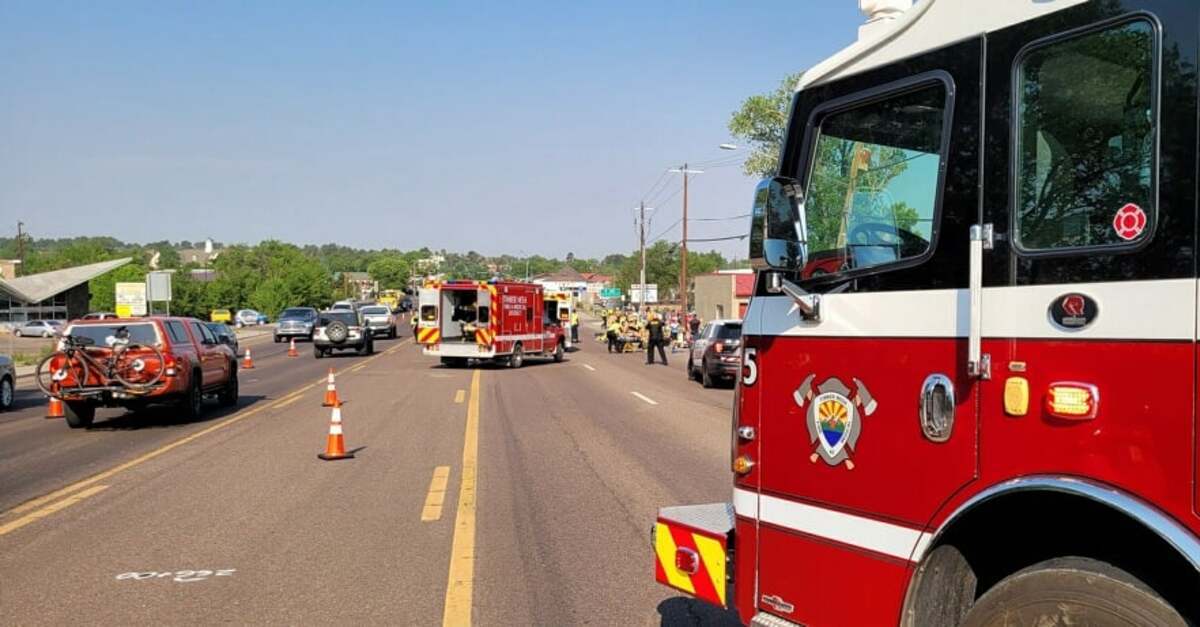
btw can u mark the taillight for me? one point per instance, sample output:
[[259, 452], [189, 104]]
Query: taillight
[[1073, 401], [719, 347], [169, 365]]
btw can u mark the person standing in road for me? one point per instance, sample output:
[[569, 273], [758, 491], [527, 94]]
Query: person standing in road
[[614, 330], [674, 333], [693, 327], [574, 327], [655, 337]]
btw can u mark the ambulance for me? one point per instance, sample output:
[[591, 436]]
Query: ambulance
[[503, 321], [559, 304], [968, 390]]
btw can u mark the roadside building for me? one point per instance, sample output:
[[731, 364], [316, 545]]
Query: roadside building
[[723, 294], [565, 279], [596, 283], [55, 295]]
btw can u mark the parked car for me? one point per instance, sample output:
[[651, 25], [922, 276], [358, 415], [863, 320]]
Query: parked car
[[715, 352], [379, 320], [39, 328], [8, 382], [221, 315], [296, 322], [194, 363], [341, 330], [248, 318], [100, 315], [343, 305], [225, 335]]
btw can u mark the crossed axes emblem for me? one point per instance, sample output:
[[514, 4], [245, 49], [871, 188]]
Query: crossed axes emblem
[[859, 399]]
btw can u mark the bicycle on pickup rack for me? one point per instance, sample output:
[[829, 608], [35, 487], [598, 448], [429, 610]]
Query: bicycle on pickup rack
[[134, 368]]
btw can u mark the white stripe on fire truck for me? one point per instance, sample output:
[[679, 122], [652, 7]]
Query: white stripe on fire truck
[[522, 338], [886, 538], [1127, 310]]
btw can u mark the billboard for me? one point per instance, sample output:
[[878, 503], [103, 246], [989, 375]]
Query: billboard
[[158, 286], [650, 291], [131, 300]]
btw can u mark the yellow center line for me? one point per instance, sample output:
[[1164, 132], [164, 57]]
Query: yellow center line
[[13, 525], [459, 396], [461, 582], [287, 401], [101, 476], [437, 494]]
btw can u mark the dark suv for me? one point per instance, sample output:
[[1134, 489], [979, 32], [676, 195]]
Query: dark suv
[[341, 329], [714, 353]]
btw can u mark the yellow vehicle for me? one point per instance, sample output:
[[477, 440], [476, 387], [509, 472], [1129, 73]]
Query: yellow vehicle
[[390, 298], [221, 315]]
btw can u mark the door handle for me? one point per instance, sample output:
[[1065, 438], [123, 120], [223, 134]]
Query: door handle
[[937, 408]]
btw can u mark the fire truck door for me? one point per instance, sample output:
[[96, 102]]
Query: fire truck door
[[1090, 290], [867, 415]]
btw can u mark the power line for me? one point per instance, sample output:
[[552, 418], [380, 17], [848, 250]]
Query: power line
[[720, 239], [738, 217]]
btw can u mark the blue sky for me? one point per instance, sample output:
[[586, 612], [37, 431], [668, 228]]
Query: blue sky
[[496, 127]]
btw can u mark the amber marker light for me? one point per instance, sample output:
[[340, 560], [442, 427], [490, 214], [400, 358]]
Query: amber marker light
[[742, 464], [1072, 400]]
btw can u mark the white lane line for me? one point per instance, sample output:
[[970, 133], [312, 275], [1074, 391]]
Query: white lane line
[[645, 398], [589, 367]]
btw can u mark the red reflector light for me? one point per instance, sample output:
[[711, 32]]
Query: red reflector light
[[687, 561], [1073, 401]]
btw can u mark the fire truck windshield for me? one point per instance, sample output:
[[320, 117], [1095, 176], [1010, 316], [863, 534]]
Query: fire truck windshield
[[873, 183]]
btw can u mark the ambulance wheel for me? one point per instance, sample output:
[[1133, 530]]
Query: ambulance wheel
[[558, 352], [1067, 590], [518, 357], [705, 378]]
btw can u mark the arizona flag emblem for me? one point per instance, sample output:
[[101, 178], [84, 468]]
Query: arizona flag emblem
[[833, 419]]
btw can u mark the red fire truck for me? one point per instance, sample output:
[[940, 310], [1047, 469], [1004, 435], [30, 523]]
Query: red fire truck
[[982, 409], [492, 320]]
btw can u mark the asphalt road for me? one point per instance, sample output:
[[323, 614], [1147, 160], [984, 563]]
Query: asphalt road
[[487, 496]]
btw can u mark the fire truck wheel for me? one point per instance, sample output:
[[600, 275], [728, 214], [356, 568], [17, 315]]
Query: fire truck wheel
[[518, 357], [1070, 590], [705, 377], [558, 352], [79, 415]]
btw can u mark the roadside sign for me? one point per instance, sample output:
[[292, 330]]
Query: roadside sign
[[610, 292], [131, 300], [650, 292], [158, 286]]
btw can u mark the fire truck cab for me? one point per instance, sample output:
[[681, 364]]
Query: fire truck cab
[[486, 320], [968, 388]]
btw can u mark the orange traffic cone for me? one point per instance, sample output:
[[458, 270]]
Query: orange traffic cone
[[55, 410], [331, 397], [292, 349], [335, 445], [247, 363]]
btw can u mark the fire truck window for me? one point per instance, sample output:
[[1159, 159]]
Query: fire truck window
[[874, 182], [1086, 140]]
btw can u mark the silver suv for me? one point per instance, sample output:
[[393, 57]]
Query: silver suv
[[341, 330], [379, 320]]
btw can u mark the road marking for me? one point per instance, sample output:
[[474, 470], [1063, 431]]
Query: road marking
[[437, 494], [459, 395], [645, 398], [179, 576], [461, 581], [286, 401], [589, 367], [101, 476], [13, 525]]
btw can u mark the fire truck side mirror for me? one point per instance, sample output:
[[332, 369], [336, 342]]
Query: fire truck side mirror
[[776, 225]]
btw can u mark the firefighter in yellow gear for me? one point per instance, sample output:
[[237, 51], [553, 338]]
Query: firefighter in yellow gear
[[614, 332]]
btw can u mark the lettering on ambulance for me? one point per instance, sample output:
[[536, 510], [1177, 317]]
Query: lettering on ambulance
[[1056, 237], [889, 161]]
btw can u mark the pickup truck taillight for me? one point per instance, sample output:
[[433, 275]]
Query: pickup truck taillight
[[170, 365]]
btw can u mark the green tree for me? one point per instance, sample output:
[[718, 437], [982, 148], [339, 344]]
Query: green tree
[[103, 290], [391, 271], [761, 122]]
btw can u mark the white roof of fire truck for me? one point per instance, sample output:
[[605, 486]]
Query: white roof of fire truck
[[898, 29]]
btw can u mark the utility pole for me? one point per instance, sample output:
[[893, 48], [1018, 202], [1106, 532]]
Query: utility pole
[[683, 299], [642, 247], [20, 244]]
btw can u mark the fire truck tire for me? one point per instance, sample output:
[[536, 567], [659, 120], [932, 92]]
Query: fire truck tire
[[1068, 591], [705, 377], [558, 351], [79, 415], [518, 357]]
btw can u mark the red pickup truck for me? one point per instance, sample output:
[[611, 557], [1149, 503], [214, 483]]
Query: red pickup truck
[[194, 363]]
